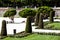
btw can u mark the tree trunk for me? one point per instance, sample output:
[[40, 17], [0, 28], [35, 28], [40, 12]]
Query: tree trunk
[[40, 21], [37, 19], [12, 18], [51, 17]]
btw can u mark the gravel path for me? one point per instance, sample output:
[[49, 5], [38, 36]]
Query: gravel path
[[21, 26], [45, 30]]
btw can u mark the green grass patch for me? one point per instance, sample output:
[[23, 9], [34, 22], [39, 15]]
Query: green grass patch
[[55, 25], [35, 37]]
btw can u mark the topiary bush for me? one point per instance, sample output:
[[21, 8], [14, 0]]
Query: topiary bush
[[3, 29], [28, 28], [27, 12], [45, 10], [10, 12]]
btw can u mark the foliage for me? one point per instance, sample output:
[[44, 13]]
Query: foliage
[[28, 25], [46, 23], [19, 3], [53, 26], [27, 12], [45, 10], [10, 12], [3, 29], [49, 26]]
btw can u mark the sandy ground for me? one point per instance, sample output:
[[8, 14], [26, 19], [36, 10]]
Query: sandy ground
[[19, 26], [16, 25]]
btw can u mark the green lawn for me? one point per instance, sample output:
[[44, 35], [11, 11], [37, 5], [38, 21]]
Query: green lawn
[[55, 25], [35, 37]]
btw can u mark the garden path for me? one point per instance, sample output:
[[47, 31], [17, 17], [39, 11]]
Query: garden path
[[20, 26]]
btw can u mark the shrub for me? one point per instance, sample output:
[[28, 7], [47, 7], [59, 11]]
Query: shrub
[[3, 29], [27, 12], [28, 25], [45, 10], [40, 21], [10, 12], [49, 27], [46, 23]]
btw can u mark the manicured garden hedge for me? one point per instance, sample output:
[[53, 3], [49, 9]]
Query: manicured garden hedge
[[10, 12], [27, 12], [46, 11]]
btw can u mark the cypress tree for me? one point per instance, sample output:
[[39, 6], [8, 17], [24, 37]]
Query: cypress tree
[[3, 29], [28, 28], [40, 21], [37, 19], [51, 17]]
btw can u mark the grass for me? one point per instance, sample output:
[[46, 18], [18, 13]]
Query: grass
[[35, 37], [55, 25]]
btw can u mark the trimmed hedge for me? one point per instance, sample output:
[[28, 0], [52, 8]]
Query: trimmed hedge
[[27, 12], [45, 10], [9, 12], [3, 29], [28, 28]]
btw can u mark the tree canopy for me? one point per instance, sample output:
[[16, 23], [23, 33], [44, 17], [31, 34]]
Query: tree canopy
[[27, 12], [45, 10], [38, 3], [10, 12]]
